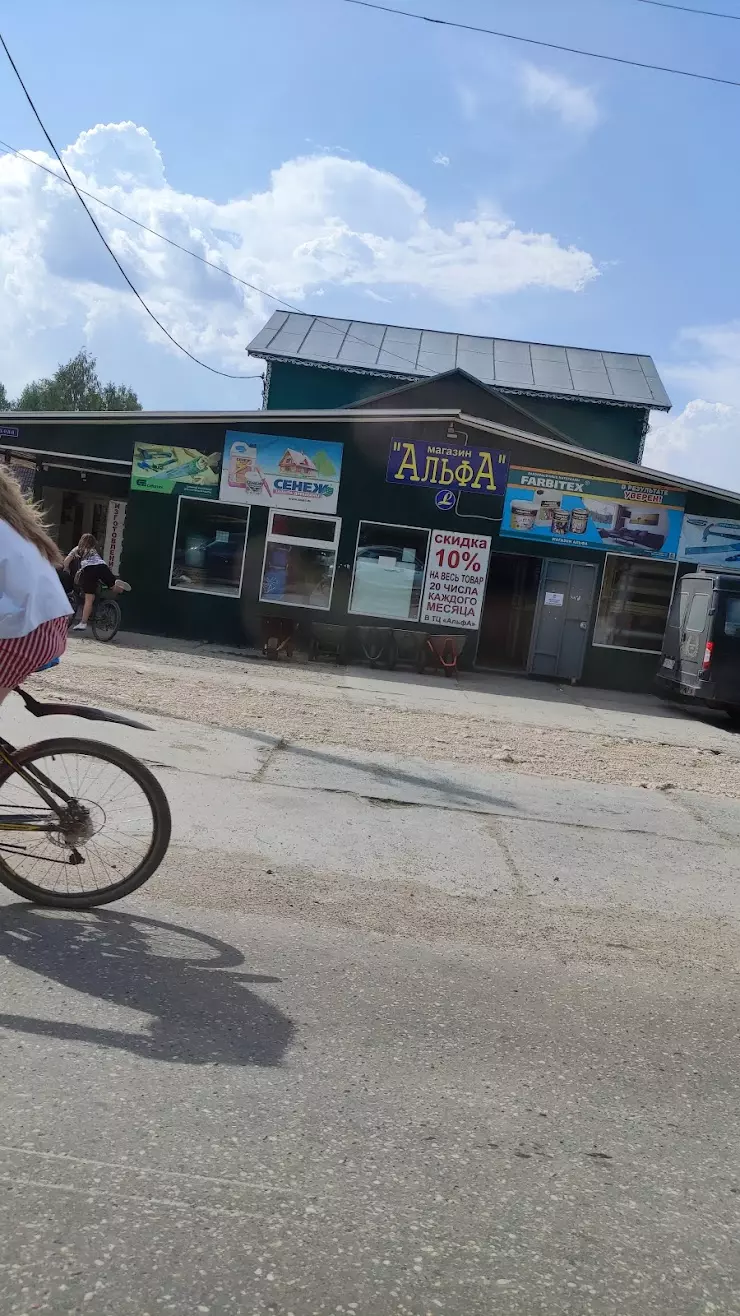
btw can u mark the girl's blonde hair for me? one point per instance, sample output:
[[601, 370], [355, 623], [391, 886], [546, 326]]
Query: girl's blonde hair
[[26, 517]]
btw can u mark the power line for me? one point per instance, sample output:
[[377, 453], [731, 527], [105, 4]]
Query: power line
[[188, 251], [534, 41], [98, 230], [687, 9]]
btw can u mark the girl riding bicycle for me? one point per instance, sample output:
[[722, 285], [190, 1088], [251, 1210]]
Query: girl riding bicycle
[[89, 571], [33, 605]]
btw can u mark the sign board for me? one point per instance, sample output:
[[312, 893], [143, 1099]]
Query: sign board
[[456, 580], [8, 431], [113, 541], [554, 599], [579, 511], [710, 542], [270, 470], [446, 465], [168, 469]]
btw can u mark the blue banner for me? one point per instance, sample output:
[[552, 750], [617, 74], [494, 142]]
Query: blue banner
[[447, 465], [581, 511]]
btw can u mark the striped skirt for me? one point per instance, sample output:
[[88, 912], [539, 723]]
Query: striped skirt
[[20, 657]]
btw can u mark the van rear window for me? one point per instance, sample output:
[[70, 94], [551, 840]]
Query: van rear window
[[732, 616], [697, 616]]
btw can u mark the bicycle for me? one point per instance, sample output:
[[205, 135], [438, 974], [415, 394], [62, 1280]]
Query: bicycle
[[105, 618], [90, 829]]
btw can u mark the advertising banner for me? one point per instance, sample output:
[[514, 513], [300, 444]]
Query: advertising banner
[[558, 507], [456, 580], [447, 465], [113, 541], [710, 542], [270, 470], [165, 468]]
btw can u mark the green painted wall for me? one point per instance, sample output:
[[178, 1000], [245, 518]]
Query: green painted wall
[[600, 427]]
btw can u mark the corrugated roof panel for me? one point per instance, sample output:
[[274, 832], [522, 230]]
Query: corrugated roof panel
[[393, 349], [504, 349], [552, 376], [592, 383], [324, 340], [518, 374], [438, 352], [268, 332], [631, 384]]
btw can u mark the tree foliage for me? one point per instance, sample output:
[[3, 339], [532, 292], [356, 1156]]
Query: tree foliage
[[74, 386]]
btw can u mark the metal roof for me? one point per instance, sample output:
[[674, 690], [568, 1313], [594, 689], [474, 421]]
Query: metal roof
[[357, 345]]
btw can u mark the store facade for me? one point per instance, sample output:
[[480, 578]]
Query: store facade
[[549, 559]]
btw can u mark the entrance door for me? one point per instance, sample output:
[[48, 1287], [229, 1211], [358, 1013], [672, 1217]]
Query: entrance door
[[561, 621]]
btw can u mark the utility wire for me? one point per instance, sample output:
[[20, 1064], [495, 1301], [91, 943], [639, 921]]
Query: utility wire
[[98, 230], [534, 41], [687, 9], [188, 251]]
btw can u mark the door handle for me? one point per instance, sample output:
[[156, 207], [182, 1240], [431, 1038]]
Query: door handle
[[583, 625]]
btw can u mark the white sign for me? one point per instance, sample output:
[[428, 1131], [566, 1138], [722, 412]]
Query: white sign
[[456, 580], [114, 534], [554, 600], [710, 542], [270, 470]]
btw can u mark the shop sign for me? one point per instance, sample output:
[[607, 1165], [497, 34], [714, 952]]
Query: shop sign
[[559, 507], [270, 470], [709, 541], [456, 580], [114, 534], [168, 469], [8, 431], [447, 466]]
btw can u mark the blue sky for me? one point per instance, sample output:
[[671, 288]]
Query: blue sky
[[363, 165]]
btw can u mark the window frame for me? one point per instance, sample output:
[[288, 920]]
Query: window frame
[[633, 557], [390, 525], [190, 589], [323, 544]]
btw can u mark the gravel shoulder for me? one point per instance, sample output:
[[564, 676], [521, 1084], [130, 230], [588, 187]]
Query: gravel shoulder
[[306, 704]]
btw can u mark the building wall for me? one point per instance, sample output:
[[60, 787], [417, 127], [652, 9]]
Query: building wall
[[617, 431], [150, 523]]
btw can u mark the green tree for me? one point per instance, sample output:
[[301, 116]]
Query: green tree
[[5, 403], [76, 386], [324, 465]]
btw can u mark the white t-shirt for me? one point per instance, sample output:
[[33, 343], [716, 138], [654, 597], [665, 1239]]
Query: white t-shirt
[[30, 589]]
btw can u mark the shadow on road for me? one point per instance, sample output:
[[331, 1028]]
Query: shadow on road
[[200, 1009]]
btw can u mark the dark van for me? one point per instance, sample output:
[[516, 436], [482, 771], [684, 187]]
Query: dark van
[[701, 649]]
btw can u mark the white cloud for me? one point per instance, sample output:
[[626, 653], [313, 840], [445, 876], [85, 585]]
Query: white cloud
[[322, 224], [440, 159], [544, 90], [702, 441]]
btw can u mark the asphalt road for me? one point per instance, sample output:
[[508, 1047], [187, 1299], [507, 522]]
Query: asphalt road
[[382, 1038]]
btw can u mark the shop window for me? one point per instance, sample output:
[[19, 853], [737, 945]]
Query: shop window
[[300, 560], [389, 571], [634, 602], [208, 549]]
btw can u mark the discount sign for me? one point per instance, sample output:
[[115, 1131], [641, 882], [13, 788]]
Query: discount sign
[[456, 580]]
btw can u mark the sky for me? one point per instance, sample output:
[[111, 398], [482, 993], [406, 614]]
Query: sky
[[357, 164]]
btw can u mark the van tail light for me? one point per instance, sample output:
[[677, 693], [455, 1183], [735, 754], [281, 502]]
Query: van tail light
[[707, 655]]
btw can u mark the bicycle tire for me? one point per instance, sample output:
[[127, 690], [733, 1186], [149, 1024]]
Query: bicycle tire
[[106, 608], [148, 865]]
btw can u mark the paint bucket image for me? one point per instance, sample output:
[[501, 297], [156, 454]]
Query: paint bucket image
[[579, 521], [546, 510], [560, 521], [523, 515]]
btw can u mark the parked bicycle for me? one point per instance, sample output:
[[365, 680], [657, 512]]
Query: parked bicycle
[[92, 822]]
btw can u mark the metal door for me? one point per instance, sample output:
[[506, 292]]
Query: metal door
[[562, 618]]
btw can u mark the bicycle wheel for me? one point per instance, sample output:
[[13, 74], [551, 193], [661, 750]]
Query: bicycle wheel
[[105, 620], [112, 835]]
